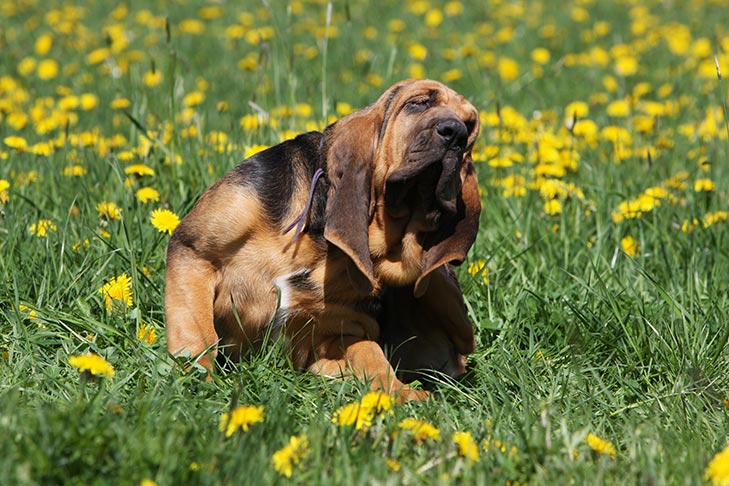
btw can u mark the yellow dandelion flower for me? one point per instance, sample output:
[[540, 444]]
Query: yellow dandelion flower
[[97, 56], [192, 27], [211, 12], [393, 465], [704, 185], [194, 98], [42, 227], [148, 482], [417, 51], [553, 206], [610, 83], [139, 169], [217, 138], [69, 102], [291, 455], [16, 142], [164, 220], [501, 162], [375, 80], [120, 104], [26, 66], [618, 108], [433, 18], [688, 226], [241, 417], [88, 101], [351, 413], [343, 108], [147, 334], [453, 8], [713, 218], [27, 178], [108, 209], [31, 314], [18, 120], [420, 429], [467, 446], [303, 110], [41, 148], [626, 66], [508, 69], [152, 78], [417, 70], [80, 244], [252, 150], [717, 471], [74, 171], [452, 75], [4, 195], [117, 289], [396, 25], [249, 63], [630, 246], [378, 401], [147, 194], [657, 192], [479, 268], [540, 55], [250, 122], [47, 69], [93, 364], [362, 413], [577, 109], [601, 446], [43, 44]]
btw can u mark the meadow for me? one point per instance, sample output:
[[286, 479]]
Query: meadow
[[598, 285]]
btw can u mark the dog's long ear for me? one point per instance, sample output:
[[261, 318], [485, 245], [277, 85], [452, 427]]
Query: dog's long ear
[[450, 310], [349, 166], [351, 146], [452, 242]]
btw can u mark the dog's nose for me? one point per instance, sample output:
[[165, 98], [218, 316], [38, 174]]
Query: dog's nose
[[452, 131]]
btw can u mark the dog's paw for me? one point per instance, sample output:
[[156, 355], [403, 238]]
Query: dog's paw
[[408, 394]]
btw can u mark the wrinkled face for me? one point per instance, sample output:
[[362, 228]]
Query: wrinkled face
[[428, 133]]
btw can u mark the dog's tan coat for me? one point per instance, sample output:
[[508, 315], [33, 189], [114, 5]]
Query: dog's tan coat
[[376, 271]]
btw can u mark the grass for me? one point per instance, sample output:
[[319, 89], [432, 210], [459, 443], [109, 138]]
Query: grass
[[598, 283]]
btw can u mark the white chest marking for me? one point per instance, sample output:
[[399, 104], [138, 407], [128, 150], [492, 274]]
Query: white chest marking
[[285, 292]]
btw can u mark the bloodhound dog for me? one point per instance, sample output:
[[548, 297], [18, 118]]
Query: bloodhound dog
[[339, 242]]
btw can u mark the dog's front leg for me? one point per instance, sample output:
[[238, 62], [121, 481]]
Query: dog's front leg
[[190, 282], [364, 359]]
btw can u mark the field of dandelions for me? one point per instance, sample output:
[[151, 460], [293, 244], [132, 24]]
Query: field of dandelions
[[598, 285]]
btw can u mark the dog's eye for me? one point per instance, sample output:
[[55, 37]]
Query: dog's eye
[[417, 105]]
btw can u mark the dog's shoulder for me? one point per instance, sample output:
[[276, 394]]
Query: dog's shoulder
[[280, 174], [282, 161]]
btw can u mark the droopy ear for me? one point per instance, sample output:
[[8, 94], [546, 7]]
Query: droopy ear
[[443, 302], [350, 149], [451, 244], [350, 153]]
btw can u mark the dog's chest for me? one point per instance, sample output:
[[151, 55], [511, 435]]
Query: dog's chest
[[294, 287]]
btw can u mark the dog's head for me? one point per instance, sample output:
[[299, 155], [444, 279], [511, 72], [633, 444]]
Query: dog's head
[[403, 196]]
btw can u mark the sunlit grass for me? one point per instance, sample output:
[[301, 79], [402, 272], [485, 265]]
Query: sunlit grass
[[598, 284]]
